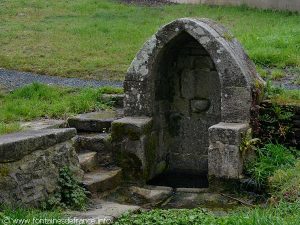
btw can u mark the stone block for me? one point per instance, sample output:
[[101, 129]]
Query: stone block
[[227, 133], [14, 147], [224, 156], [133, 127]]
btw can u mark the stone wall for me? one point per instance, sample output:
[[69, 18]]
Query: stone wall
[[30, 163], [188, 96], [291, 5]]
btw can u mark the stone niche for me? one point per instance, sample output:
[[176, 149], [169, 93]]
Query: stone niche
[[188, 95]]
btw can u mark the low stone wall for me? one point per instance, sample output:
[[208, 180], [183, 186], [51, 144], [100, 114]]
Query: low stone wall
[[291, 5], [30, 163]]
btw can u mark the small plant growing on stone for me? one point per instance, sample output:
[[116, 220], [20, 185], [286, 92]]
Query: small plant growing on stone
[[248, 143], [70, 193]]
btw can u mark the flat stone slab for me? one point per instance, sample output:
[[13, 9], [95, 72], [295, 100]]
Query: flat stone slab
[[133, 126], [212, 201], [43, 124], [95, 121], [152, 194], [104, 212], [102, 179], [92, 141], [15, 146]]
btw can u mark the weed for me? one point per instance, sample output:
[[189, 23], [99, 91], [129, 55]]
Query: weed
[[70, 193]]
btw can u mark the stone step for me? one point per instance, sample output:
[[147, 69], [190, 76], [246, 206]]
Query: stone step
[[95, 121], [88, 161], [96, 142], [103, 212], [102, 179]]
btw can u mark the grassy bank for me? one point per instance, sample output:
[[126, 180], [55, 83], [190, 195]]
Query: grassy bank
[[43, 101], [88, 38]]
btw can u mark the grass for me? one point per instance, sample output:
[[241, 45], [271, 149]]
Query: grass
[[285, 183], [98, 39], [283, 214], [43, 101], [270, 158], [17, 216]]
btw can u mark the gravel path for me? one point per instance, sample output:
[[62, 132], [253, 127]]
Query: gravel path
[[11, 80]]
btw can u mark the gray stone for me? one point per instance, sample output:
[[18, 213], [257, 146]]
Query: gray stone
[[94, 121], [201, 105], [30, 180], [104, 212], [14, 147], [192, 190], [43, 124], [152, 194], [97, 142], [134, 145], [225, 160], [88, 161], [191, 75], [102, 179]]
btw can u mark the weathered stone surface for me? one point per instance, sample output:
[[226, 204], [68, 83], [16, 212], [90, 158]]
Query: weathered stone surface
[[88, 161], [97, 142], [14, 147], [227, 133], [116, 100], [92, 141], [152, 194], [94, 121], [102, 179], [133, 127], [192, 190], [134, 146], [43, 124], [103, 212], [225, 159], [189, 76], [31, 179]]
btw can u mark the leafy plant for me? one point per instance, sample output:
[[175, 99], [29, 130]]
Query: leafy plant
[[248, 143], [269, 158], [70, 193], [281, 214]]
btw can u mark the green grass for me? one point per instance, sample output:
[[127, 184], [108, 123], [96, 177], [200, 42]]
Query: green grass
[[270, 158], [17, 216], [43, 101], [285, 183], [98, 39], [283, 214]]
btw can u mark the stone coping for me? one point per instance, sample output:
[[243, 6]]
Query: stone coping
[[14, 147]]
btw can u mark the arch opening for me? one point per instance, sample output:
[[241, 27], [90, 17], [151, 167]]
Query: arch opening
[[187, 102]]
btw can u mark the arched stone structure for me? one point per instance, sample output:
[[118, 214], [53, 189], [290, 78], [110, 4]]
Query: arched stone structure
[[191, 85]]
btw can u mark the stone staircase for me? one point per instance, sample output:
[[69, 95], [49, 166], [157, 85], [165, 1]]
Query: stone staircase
[[95, 152]]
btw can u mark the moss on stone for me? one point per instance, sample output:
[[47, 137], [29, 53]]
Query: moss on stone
[[4, 171]]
